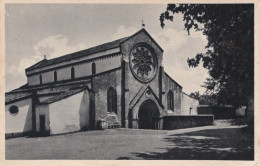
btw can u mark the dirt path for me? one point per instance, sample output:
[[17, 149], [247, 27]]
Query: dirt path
[[221, 142]]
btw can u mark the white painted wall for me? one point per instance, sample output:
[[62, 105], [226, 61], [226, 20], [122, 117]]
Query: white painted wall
[[63, 74], [42, 110], [187, 103], [44, 98], [33, 80], [66, 115], [47, 77], [107, 52], [84, 110], [81, 70], [108, 64], [21, 122]]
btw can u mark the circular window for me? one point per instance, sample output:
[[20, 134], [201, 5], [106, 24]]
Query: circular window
[[13, 110], [148, 94], [143, 63]]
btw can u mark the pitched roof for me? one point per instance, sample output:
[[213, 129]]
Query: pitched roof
[[59, 90], [23, 88], [13, 97], [78, 54], [172, 79], [89, 51], [63, 95]]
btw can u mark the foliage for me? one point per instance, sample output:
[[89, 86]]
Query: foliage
[[229, 55], [195, 95], [204, 99]]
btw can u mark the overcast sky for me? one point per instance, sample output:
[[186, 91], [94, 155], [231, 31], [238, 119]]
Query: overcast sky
[[33, 30]]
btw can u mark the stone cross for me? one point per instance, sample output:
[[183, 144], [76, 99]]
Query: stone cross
[[143, 24]]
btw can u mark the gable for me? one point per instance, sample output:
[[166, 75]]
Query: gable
[[142, 34], [143, 38], [141, 94]]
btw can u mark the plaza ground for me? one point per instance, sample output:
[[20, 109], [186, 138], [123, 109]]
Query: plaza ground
[[226, 140]]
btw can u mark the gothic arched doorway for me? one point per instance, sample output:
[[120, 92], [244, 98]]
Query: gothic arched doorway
[[148, 115]]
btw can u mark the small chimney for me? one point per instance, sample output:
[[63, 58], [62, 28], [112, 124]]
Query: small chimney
[[44, 56]]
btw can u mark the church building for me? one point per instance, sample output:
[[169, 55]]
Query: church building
[[119, 84]]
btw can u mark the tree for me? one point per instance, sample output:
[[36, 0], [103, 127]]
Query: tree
[[204, 99], [229, 55], [195, 95]]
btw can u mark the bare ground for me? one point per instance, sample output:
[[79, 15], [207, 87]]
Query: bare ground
[[227, 140]]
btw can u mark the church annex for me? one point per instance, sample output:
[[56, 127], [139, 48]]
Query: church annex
[[122, 83]]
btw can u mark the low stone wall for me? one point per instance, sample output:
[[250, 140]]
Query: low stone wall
[[183, 121], [27, 134], [219, 112], [15, 135]]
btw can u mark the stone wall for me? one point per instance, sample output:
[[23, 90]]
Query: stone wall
[[169, 84], [133, 85], [182, 121], [101, 84], [219, 112]]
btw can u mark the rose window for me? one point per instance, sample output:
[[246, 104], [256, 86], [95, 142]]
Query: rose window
[[143, 63]]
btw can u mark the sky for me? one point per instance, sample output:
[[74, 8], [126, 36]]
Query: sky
[[35, 30]]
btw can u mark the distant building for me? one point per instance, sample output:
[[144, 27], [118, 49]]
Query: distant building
[[122, 82]]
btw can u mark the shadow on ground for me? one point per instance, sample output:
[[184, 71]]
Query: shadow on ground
[[212, 144]]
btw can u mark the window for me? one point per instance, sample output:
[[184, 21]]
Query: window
[[93, 68], [112, 100], [40, 77], [170, 101], [72, 73], [55, 76], [13, 110]]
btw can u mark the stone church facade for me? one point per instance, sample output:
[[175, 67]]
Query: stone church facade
[[122, 82]]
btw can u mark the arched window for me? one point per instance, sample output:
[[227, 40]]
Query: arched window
[[55, 76], [40, 77], [111, 100], [72, 73], [170, 101], [93, 68]]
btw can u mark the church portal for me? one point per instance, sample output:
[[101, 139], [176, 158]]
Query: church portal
[[148, 115]]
